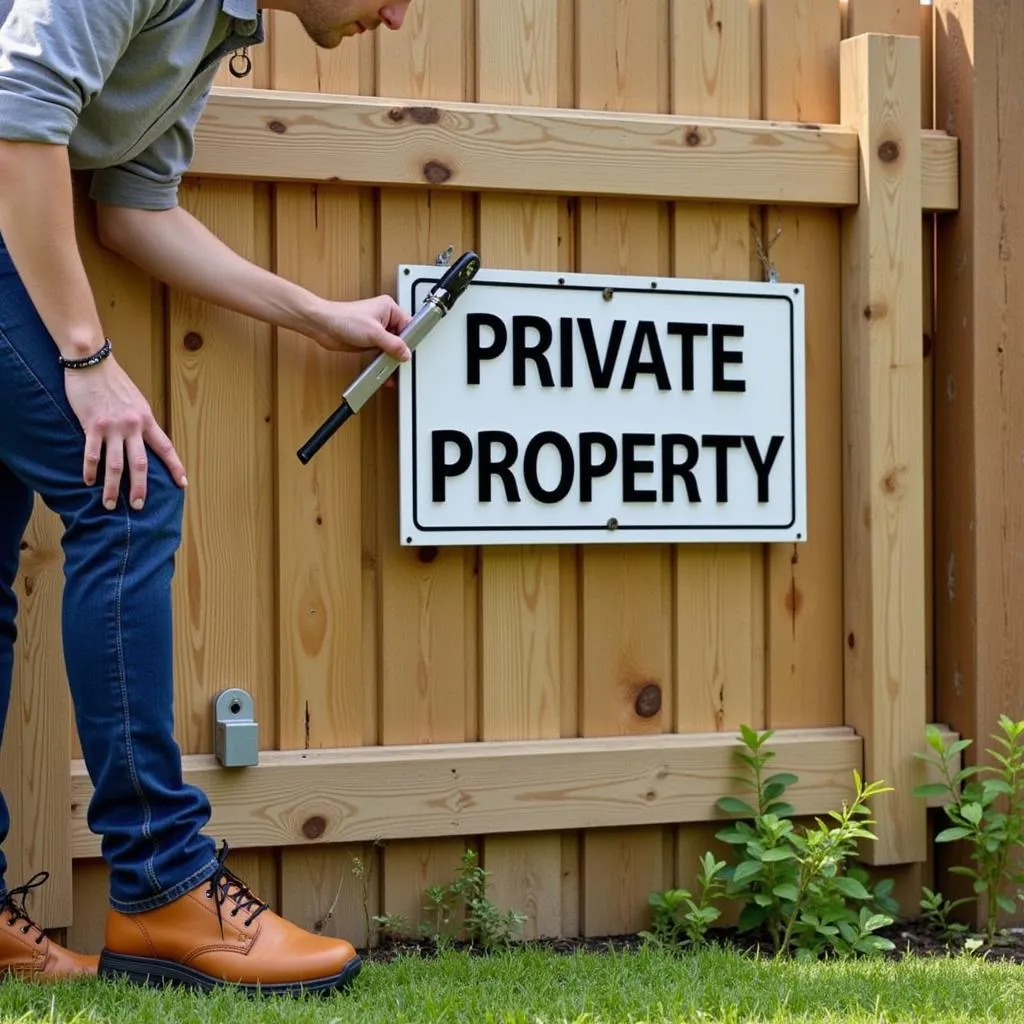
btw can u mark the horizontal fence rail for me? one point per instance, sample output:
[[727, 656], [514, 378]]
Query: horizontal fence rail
[[291, 136], [366, 794]]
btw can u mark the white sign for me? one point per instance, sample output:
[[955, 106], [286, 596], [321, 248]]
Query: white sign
[[555, 408]]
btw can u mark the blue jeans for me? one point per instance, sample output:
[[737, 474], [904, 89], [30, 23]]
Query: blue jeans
[[116, 621]]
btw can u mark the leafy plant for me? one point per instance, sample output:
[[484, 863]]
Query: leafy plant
[[462, 908], [797, 884], [669, 922], [992, 826], [392, 925], [935, 911]]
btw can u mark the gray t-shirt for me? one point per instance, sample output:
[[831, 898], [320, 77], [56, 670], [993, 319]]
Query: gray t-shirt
[[121, 83]]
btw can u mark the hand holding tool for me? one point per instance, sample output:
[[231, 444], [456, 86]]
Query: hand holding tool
[[435, 308]]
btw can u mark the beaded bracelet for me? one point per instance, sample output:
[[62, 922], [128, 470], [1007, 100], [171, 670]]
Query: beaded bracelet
[[81, 364]]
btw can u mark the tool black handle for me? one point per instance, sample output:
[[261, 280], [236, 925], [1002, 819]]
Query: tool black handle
[[324, 432]]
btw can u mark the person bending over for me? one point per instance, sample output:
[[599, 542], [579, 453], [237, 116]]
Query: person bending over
[[115, 88]]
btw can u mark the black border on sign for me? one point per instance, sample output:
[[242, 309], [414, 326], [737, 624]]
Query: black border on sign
[[602, 527]]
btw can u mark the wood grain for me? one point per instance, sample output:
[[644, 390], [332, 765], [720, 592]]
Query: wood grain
[[33, 762], [804, 592], [366, 794], [296, 136], [884, 16], [979, 508], [719, 627], [623, 57], [220, 414], [428, 599], [883, 408], [326, 698], [521, 587]]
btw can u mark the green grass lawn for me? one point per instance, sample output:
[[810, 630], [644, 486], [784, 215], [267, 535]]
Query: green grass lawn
[[531, 986]]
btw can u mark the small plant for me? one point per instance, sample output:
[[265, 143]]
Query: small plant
[[669, 925], [992, 826], [935, 911], [364, 873], [481, 923], [393, 926], [797, 885]]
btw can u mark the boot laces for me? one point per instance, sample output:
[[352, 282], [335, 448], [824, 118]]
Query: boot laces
[[226, 886], [14, 909]]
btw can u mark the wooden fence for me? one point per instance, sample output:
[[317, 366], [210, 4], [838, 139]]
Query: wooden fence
[[569, 712]]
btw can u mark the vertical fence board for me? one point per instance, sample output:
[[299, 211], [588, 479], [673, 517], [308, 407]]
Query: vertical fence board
[[926, 30], [719, 589], [804, 585], [719, 624], [901, 17], [322, 243], [882, 437], [34, 762], [979, 371], [521, 587], [220, 411], [428, 635], [626, 591]]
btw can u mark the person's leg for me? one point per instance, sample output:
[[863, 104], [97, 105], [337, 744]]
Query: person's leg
[[116, 623], [177, 913], [15, 512]]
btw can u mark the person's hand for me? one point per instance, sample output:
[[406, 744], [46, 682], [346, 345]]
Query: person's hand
[[362, 325], [116, 417]]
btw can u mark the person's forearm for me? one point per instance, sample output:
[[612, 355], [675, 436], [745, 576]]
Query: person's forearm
[[177, 249], [38, 228]]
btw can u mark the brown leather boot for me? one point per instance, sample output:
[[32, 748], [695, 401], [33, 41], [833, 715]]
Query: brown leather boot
[[26, 951], [222, 934]]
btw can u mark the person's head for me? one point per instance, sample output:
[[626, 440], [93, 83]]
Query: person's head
[[328, 22]]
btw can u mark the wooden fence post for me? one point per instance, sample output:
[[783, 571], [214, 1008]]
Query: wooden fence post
[[883, 414]]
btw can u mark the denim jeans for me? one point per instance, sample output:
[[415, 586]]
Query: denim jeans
[[115, 624]]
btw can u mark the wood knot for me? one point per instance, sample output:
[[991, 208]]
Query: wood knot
[[794, 599], [193, 341], [436, 173], [277, 127], [427, 555], [648, 701], [693, 137], [888, 151], [875, 311], [315, 827], [891, 480], [420, 115], [851, 641]]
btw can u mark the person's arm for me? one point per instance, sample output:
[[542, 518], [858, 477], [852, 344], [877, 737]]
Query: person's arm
[[55, 54], [177, 249], [139, 217]]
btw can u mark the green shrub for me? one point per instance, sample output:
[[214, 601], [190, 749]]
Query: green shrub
[[800, 885], [676, 914], [987, 814]]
